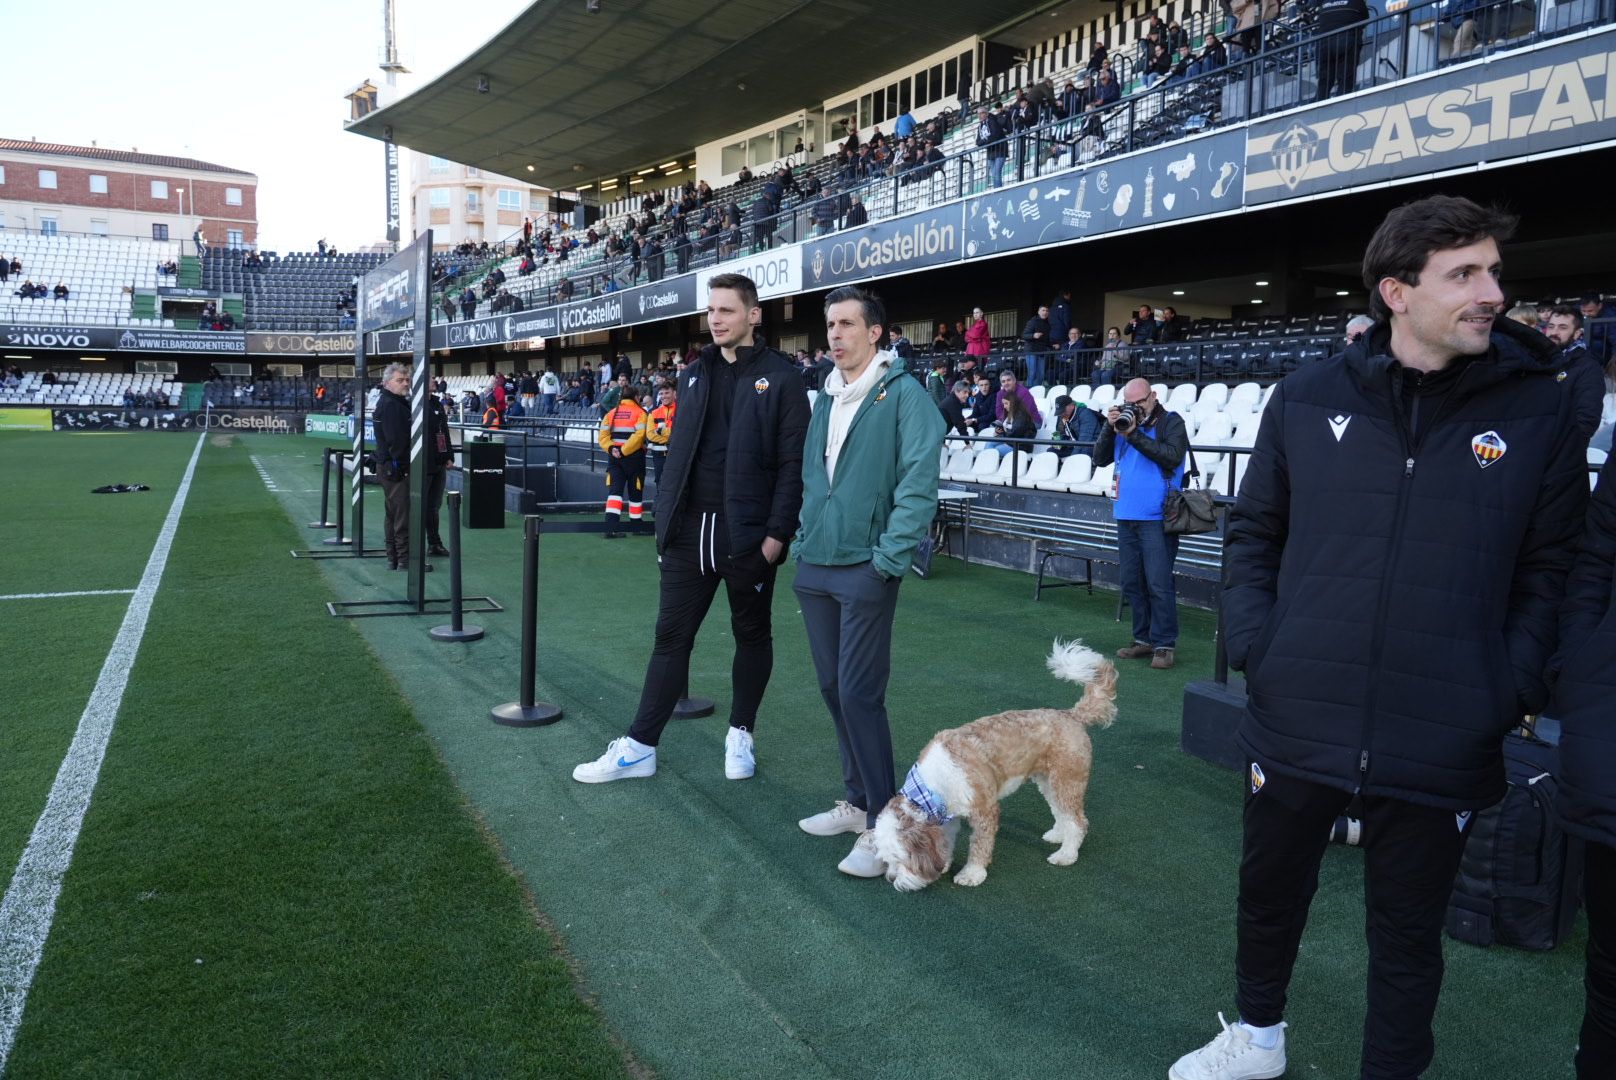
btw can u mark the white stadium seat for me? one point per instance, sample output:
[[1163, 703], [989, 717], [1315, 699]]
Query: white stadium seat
[[1243, 398], [1182, 399], [959, 465], [985, 466], [1073, 471], [1098, 483], [1042, 469]]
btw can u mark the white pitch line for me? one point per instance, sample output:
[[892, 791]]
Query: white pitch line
[[29, 905], [59, 595]]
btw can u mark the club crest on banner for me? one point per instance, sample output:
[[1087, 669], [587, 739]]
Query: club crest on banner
[[1293, 152], [1488, 447]]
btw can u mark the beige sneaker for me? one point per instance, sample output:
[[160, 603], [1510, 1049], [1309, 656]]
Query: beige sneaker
[[862, 861], [844, 817]]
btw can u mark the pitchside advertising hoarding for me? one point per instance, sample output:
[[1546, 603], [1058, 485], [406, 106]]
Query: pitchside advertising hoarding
[[777, 272], [327, 426], [1560, 96], [294, 344], [112, 338], [263, 421]]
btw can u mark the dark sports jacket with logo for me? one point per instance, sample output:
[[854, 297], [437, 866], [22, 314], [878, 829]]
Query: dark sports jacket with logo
[[763, 466], [1395, 564]]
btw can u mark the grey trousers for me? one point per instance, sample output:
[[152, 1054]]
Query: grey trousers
[[848, 612]]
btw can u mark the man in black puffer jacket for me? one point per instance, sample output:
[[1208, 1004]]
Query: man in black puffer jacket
[[726, 508], [1395, 564], [1585, 703]]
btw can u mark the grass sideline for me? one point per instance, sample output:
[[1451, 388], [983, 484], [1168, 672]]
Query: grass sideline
[[275, 876], [269, 776]]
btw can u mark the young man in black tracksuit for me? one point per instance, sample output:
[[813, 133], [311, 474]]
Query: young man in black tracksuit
[[1395, 563], [727, 506]]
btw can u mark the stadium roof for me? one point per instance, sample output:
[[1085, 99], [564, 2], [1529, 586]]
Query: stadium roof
[[132, 157], [580, 96]]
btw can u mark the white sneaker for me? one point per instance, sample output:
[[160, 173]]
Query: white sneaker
[[740, 756], [1231, 1056], [862, 861], [623, 758], [843, 817]]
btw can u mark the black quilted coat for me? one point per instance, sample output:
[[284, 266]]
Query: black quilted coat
[[1395, 565], [1585, 700]]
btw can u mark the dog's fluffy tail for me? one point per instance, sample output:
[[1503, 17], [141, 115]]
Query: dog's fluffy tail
[[1077, 663]]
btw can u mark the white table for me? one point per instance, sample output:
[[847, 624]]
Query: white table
[[965, 499]]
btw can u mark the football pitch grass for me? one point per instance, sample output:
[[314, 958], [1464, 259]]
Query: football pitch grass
[[310, 853]]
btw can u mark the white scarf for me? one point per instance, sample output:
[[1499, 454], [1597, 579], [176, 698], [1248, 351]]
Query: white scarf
[[845, 398]]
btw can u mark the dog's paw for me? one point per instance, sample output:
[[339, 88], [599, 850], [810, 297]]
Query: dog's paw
[[1053, 836], [971, 875], [1063, 857]]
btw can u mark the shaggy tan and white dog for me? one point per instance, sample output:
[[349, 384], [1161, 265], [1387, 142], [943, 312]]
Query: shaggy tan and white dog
[[965, 771]]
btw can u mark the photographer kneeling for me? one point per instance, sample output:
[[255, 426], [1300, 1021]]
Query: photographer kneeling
[[1148, 444]]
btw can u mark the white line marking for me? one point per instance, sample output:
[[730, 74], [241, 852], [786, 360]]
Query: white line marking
[[29, 905], [58, 595], [263, 473]]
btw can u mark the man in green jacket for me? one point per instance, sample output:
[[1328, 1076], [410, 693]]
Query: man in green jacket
[[869, 474]]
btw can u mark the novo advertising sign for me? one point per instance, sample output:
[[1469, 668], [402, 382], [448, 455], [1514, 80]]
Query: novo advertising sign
[[1151, 188], [58, 337], [777, 272], [124, 420], [328, 426], [295, 344], [25, 420], [664, 299], [894, 246], [1559, 96], [272, 423]]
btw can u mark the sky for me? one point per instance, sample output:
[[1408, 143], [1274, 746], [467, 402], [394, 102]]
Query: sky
[[255, 86]]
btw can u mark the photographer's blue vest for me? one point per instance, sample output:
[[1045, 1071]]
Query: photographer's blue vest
[[1141, 486]]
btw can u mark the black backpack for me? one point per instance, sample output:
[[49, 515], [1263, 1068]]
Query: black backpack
[[1520, 881]]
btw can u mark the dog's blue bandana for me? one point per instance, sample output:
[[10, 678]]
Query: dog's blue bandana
[[929, 802]]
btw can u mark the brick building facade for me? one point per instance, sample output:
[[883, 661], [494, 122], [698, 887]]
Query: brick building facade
[[49, 187]]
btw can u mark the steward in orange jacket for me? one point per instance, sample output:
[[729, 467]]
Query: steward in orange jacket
[[622, 436], [660, 428]]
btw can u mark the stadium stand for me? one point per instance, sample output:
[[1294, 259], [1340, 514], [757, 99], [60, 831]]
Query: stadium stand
[[102, 274], [67, 388], [297, 291]]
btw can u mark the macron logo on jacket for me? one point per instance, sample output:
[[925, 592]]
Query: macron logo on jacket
[[1338, 425]]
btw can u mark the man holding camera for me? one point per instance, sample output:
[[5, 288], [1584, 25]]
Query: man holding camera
[[1147, 443]]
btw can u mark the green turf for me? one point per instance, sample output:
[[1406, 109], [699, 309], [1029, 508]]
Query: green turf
[[276, 877], [720, 939]]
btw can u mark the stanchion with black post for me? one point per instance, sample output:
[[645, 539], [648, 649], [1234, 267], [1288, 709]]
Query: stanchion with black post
[[341, 538], [1213, 707], [527, 712], [325, 489], [692, 708], [341, 545], [457, 630]]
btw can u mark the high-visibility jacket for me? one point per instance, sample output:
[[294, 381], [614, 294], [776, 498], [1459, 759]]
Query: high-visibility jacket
[[659, 428], [491, 417], [624, 428]]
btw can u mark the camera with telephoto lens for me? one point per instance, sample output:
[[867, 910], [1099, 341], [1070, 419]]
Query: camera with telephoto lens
[[1128, 417]]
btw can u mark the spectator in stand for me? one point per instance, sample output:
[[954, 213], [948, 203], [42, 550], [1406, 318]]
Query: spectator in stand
[[1212, 57], [1098, 57], [1172, 327], [1358, 326], [978, 338], [1014, 424], [944, 340], [1010, 387], [612, 392], [1114, 357], [1598, 330], [60, 292], [937, 381], [1035, 337], [16, 265], [1338, 24], [1582, 375], [899, 344], [447, 305], [1060, 317], [856, 214], [549, 391], [468, 303], [528, 388], [200, 240], [1074, 359], [904, 126], [959, 416], [1525, 314], [990, 136], [1250, 17], [5, 269], [1141, 329], [564, 290], [1076, 425], [1159, 66]]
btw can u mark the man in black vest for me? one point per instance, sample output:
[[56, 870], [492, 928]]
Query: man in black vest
[[1395, 564]]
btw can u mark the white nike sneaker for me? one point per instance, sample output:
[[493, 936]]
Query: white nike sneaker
[[862, 861], [1231, 1056], [623, 758], [740, 756], [843, 817]]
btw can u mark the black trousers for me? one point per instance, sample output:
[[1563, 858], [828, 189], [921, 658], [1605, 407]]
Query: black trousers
[[1596, 1056], [396, 518], [1411, 854], [697, 559], [625, 487], [434, 502]]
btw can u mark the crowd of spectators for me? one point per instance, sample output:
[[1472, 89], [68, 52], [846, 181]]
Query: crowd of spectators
[[29, 290]]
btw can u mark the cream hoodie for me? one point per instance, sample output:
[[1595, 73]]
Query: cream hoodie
[[845, 398]]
